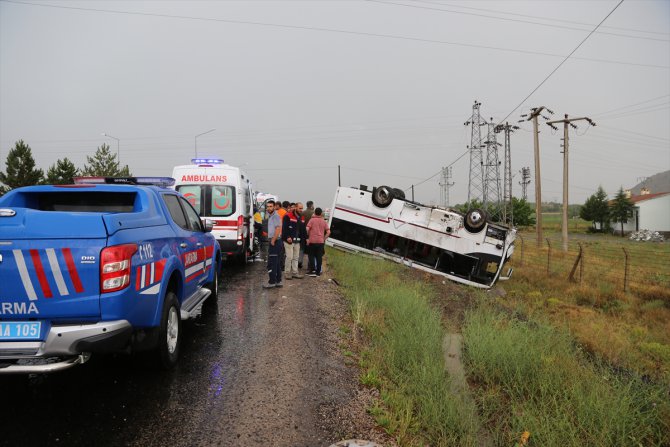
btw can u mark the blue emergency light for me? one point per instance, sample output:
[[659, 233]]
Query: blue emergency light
[[164, 182], [206, 161]]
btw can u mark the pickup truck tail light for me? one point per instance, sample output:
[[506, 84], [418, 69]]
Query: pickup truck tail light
[[115, 263], [240, 228]]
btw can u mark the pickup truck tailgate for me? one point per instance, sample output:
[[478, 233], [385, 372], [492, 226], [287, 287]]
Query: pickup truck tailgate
[[49, 265]]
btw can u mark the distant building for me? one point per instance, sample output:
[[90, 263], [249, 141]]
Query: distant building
[[652, 212], [651, 198]]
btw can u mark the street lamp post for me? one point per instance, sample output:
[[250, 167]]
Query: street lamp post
[[195, 140], [118, 153]]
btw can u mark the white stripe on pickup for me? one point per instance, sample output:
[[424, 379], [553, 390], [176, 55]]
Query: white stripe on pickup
[[152, 290], [143, 281], [25, 277], [194, 268], [58, 275]]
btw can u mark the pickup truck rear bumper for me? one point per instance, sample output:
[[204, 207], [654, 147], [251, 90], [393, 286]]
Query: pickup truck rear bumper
[[65, 346]]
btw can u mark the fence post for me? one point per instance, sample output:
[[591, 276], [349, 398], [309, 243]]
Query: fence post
[[581, 265], [548, 257], [625, 274], [579, 262]]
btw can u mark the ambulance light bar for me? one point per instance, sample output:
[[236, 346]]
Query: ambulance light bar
[[206, 161], [163, 182]]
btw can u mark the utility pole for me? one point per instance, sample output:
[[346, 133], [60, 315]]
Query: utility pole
[[446, 183], [534, 113], [525, 181], [567, 123], [507, 176], [476, 177]]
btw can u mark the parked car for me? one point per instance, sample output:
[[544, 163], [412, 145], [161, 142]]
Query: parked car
[[101, 266]]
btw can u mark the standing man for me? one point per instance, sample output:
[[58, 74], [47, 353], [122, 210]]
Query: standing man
[[302, 232], [281, 211], [306, 216], [291, 237], [317, 233], [275, 247]]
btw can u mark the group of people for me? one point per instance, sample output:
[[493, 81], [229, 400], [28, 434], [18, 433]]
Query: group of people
[[294, 231]]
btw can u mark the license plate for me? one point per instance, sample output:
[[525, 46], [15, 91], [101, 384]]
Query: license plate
[[15, 330]]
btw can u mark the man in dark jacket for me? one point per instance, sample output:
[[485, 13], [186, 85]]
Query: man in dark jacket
[[291, 237]]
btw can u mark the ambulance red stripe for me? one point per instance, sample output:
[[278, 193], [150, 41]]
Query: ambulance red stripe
[[39, 269]]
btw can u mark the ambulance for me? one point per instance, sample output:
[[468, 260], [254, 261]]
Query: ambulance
[[224, 194]]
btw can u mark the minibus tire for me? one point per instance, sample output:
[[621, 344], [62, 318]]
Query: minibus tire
[[382, 196], [398, 193], [475, 220]]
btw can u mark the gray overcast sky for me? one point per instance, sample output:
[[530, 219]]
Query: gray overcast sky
[[381, 88]]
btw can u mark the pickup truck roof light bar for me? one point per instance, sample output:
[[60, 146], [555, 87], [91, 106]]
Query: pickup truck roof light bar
[[163, 182]]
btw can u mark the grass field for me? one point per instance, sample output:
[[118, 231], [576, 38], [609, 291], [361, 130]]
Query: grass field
[[526, 372], [628, 328]]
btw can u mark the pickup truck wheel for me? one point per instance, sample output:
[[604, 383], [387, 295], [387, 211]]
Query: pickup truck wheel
[[382, 196], [167, 351], [214, 284]]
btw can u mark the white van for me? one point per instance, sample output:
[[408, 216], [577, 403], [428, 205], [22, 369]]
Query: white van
[[467, 249], [222, 193]]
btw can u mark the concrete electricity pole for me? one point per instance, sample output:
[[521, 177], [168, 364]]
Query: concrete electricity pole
[[567, 122], [534, 113]]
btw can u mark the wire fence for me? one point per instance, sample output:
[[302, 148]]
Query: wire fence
[[600, 261]]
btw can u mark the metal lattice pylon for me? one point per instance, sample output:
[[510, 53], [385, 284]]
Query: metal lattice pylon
[[476, 180], [445, 184], [507, 214], [491, 201]]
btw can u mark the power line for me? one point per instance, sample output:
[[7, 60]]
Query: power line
[[340, 31], [440, 171], [543, 81], [631, 105], [513, 20], [649, 109], [562, 62], [552, 19]]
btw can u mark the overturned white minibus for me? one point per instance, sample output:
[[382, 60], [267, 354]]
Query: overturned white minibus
[[465, 248]]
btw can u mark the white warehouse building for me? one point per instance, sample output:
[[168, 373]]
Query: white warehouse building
[[652, 212]]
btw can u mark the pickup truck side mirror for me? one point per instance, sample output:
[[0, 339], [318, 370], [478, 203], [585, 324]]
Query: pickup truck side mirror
[[208, 224]]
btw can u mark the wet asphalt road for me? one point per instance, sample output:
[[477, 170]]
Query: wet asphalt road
[[121, 400]]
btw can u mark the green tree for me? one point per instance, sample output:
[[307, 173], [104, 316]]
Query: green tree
[[522, 212], [596, 209], [621, 208], [20, 169], [62, 172], [104, 164]]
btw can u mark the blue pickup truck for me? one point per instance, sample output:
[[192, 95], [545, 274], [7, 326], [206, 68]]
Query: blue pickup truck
[[99, 267]]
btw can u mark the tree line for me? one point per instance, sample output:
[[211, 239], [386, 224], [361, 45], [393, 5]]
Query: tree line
[[598, 210], [20, 168]]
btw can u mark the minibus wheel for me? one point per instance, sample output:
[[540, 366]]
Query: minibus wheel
[[398, 193], [382, 196], [475, 220]]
